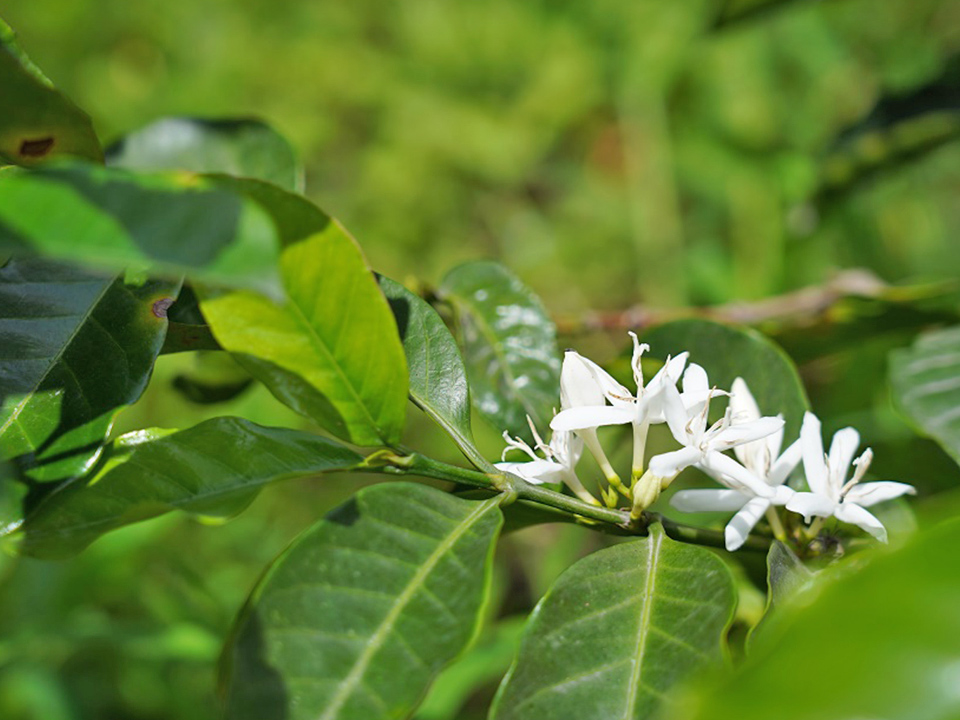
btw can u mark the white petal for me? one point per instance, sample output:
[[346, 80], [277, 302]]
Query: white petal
[[675, 414], [695, 379], [782, 495], [742, 404], [842, 449], [584, 418], [852, 513], [669, 464], [578, 385], [728, 471], [708, 500], [785, 464], [871, 493], [535, 471], [814, 465], [739, 527], [811, 504], [745, 432], [674, 367], [614, 391]]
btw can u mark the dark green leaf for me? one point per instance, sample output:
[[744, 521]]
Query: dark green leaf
[[358, 616], [76, 348], [438, 379], [331, 349], [215, 468], [173, 223], [244, 148], [37, 122], [880, 642], [726, 351], [926, 385], [509, 345], [214, 378], [618, 630]]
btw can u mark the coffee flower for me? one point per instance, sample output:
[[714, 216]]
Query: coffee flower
[[831, 494], [557, 464], [762, 459]]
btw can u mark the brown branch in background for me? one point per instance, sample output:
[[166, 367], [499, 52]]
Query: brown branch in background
[[795, 307]]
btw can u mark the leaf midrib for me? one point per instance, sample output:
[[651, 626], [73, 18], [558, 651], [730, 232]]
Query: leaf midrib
[[301, 317], [653, 558], [370, 649]]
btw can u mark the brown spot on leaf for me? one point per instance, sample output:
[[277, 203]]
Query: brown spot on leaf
[[161, 306], [36, 147]]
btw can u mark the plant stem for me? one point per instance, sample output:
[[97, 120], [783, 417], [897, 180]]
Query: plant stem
[[513, 488]]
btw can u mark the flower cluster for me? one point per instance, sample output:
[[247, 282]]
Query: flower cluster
[[757, 478]]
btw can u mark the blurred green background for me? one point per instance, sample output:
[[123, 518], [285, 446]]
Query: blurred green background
[[610, 152]]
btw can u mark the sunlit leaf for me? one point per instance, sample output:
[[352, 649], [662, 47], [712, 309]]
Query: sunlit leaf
[[330, 350], [37, 122], [215, 469], [509, 346], [438, 379], [617, 631], [358, 616], [172, 224], [241, 147], [926, 385], [76, 348], [726, 352], [880, 642]]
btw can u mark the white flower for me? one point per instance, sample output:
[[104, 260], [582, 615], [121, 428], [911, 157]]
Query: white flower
[[762, 459], [703, 446], [830, 492], [558, 464], [640, 410], [580, 391]]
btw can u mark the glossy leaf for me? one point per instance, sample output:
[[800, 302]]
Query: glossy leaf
[[214, 378], [926, 385], [243, 148], [726, 351], [509, 346], [215, 469], [358, 616], [75, 348], [173, 223], [438, 378], [617, 631], [880, 642], [330, 350], [37, 122]]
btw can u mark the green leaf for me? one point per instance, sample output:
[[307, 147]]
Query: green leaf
[[926, 385], [37, 122], [726, 351], [330, 350], [786, 576], [76, 348], [172, 224], [244, 148], [877, 642], [438, 379], [509, 345], [618, 630], [358, 616], [214, 378], [215, 469]]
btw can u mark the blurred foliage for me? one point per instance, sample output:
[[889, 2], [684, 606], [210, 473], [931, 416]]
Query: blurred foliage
[[609, 153]]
